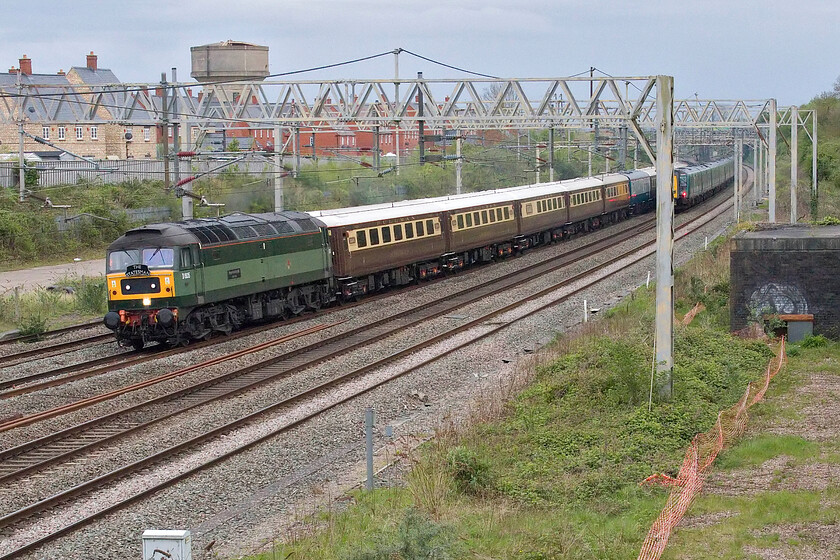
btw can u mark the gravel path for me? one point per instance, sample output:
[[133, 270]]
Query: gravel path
[[246, 501], [33, 278], [811, 411]]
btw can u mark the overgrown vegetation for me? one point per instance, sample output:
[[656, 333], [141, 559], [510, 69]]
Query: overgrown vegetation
[[70, 301], [31, 233]]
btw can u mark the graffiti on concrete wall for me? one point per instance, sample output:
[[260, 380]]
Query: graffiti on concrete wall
[[777, 298]]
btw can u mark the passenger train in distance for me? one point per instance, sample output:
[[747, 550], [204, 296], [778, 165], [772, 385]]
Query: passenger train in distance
[[176, 282]]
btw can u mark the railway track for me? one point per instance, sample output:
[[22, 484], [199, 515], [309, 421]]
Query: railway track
[[107, 364], [54, 349], [50, 333], [340, 382]]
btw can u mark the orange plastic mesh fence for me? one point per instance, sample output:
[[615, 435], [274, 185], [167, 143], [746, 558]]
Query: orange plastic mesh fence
[[701, 453]]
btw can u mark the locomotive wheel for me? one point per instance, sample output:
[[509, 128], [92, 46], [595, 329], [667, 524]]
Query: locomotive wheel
[[137, 344]]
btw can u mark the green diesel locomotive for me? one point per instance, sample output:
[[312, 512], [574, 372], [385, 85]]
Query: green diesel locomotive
[[181, 281]]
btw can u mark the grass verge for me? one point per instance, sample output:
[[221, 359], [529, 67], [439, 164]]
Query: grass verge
[[78, 300]]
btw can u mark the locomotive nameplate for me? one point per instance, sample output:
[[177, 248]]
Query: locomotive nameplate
[[137, 270], [234, 273]]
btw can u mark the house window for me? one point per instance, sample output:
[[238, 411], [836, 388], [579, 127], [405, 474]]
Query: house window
[[45, 132], [62, 133], [79, 133], [147, 133], [94, 133]]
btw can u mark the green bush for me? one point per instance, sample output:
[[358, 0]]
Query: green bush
[[814, 341], [33, 325], [417, 538], [91, 297], [470, 472]]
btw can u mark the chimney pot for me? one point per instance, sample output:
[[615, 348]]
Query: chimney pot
[[91, 61], [25, 65]]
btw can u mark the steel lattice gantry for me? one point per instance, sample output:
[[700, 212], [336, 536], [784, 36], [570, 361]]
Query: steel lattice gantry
[[461, 104]]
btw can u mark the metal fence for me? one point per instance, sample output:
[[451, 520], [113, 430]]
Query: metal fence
[[53, 173], [68, 221]]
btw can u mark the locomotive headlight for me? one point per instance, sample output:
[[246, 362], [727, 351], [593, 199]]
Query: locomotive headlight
[[147, 301]]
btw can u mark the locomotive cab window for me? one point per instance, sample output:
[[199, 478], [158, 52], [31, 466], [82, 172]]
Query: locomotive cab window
[[186, 258], [158, 257]]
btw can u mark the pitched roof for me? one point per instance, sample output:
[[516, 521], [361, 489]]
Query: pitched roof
[[98, 77]]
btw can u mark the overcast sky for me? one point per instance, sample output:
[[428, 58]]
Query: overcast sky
[[721, 49]]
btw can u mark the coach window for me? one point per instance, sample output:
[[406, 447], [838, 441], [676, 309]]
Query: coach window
[[386, 234], [420, 232], [374, 236], [469, 220], [484, 219], [492, 215], [476, 218], [409, 230], [398, 232], [430, 227], [361, 239], [460, 221], [499, 214], [507, 212]]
